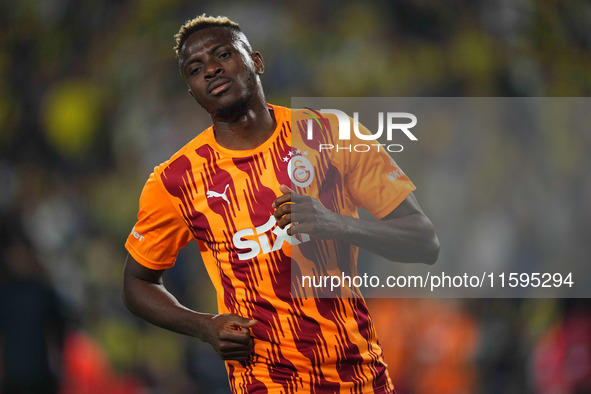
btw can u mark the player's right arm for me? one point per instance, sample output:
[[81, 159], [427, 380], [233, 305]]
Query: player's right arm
[[144, 295], [153, 246]]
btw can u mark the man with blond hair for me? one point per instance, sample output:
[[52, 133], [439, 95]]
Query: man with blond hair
[[227, 189]]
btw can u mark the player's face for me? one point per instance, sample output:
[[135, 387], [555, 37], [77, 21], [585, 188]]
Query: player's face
[[220, 71]]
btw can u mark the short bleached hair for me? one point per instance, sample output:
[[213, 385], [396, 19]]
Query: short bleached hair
[[202, 22]]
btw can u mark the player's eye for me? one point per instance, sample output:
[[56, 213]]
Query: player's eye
[[224, 55], [195, 70]]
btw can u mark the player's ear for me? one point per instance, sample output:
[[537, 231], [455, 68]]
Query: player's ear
[[259, 62]]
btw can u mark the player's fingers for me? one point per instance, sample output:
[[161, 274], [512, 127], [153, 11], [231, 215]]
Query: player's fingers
[[300, 228], [229, 349], [229, 346], [249, 323], [295, 197], [294, 229], [240, 355], [282, 210], [235, 351], [285, 198], [237, 321], [241, 336], [284, 221]]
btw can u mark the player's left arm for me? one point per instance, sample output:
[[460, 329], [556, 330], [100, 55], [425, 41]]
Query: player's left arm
[[405, 235]]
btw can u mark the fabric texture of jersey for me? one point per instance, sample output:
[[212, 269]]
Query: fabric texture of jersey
[[223, 199]]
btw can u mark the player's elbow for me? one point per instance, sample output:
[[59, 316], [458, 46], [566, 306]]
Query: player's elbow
[[430, 244], [131, 300], [432, 250], [128, 294]]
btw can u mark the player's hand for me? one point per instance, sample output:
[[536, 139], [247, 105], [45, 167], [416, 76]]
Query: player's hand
[[306, 214], [229, 334]]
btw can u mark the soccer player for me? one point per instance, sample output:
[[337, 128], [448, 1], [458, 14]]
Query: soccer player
[[227, 189]]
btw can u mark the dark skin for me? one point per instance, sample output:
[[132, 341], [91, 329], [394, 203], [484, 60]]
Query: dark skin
[[146, 296], [222, 74], [405, 235], [221, 71]]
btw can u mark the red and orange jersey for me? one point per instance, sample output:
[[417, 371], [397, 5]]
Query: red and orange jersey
[[223, 199]]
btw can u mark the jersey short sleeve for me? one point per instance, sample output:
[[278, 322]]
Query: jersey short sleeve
[[160, 231], [374, 180]]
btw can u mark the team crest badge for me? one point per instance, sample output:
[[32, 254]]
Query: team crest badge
[[299, 168]]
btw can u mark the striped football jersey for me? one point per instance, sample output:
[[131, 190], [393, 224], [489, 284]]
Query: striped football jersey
[[306, 340]]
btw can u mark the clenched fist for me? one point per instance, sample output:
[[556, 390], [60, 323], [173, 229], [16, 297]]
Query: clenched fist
[[229, 334]]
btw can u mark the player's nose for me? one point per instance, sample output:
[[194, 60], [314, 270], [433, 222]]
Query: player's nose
[[213, 69]]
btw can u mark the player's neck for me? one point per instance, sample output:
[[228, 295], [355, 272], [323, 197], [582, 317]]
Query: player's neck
[[249, 130]]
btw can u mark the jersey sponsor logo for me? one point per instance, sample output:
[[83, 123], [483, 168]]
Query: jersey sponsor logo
[[256, 241], [137, 235], [395, 174], [396, 171], [214, 194], [300, 170]]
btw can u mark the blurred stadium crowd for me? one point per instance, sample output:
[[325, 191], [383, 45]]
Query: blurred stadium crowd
[[91, 101]]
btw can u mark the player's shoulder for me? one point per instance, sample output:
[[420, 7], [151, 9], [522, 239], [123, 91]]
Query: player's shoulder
[[323, 118], [187, 150]]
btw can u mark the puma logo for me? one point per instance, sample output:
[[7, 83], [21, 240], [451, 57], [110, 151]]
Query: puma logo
[[211, 194]]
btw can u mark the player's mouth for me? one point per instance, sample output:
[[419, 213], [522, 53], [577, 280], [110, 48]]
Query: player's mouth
[[219, 86]]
